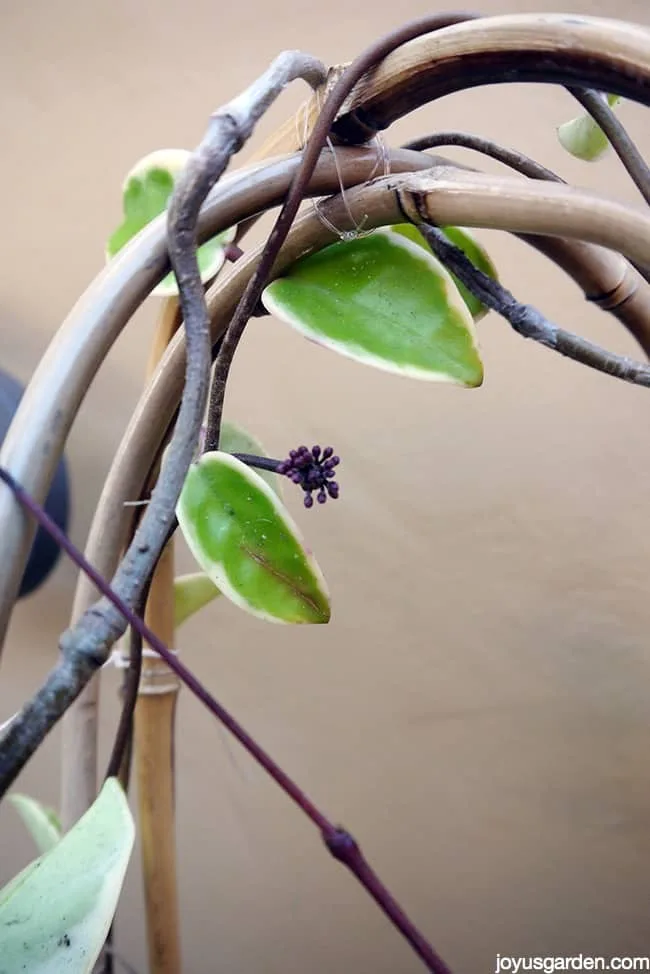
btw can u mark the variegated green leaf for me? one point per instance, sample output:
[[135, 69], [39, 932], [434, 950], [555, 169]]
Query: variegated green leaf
[[145, 195], [234, 439], [385, 301], [583, 137], [191, 593], [54, 916], [247, 543], [194, 591], [470, 246]]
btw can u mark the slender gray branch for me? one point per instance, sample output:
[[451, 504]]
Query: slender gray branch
[[86, 646], [528, 321], [637, 168]]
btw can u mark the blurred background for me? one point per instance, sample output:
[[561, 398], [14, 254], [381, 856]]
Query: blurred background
[[477, 713]]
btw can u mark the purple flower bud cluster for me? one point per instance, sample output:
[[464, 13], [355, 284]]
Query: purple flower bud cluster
[[313, 470]]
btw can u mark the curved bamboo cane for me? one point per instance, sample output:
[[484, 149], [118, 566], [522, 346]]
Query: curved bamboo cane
[[448, 195], [560, 49], [563, 49]]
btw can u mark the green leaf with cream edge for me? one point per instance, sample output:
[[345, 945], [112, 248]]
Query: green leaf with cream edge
[[247, 543], [194, 591], [385, 301], [55, 915], [467, 242], [234, 439], [146, 191], [583, 138]]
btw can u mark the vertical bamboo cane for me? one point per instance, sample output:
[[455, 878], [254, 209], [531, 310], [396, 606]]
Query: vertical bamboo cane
[[154, 745]]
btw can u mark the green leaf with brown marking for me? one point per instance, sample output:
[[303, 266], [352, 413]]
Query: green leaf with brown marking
[[247, 543]]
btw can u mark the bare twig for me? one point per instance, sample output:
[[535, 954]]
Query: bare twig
[[343, 847], [86, 646], [637, 168], [509, 157], [315, 144], [123, 735], [526, 320]]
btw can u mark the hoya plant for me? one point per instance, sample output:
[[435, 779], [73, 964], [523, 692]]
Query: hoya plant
[[384, 265]]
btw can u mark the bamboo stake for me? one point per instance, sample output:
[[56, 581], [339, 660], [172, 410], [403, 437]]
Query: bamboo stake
[[79, 755], [154, 744]]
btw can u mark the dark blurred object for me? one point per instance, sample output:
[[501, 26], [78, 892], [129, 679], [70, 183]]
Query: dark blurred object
[[45, 552]]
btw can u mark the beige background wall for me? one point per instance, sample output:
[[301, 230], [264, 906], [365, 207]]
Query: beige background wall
[[478, 711]]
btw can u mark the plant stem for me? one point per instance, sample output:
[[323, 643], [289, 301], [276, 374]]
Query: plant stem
[[123, 735], [637, 168], [338, 841], [509, 157], [262, 463], [315, 144], [528, 321]]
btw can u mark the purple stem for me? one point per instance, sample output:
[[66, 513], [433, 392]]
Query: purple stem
[[340, 843]]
